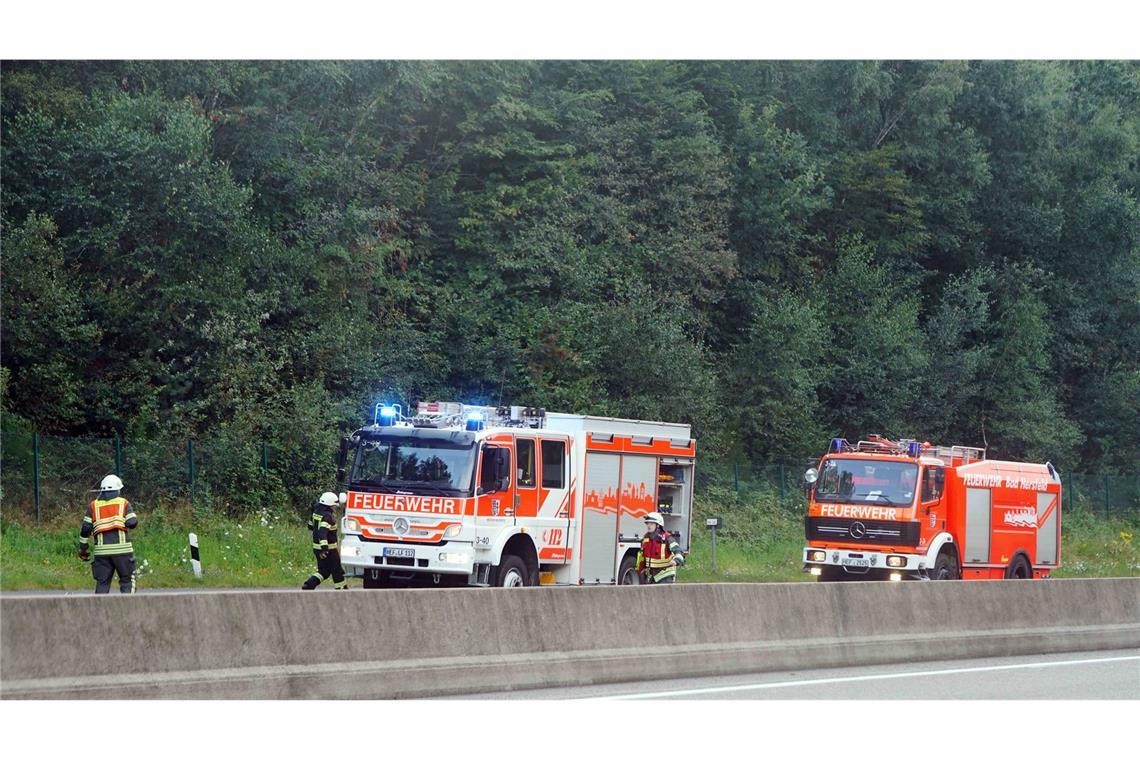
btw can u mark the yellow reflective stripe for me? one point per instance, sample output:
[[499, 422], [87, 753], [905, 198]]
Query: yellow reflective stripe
[[102, 550]]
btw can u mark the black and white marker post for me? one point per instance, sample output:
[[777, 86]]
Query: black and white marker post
[[195, 562]]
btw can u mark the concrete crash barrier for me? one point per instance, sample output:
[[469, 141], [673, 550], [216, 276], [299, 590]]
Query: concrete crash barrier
[[434, 642]]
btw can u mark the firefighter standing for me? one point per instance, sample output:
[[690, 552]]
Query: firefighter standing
[[660, 554], [323, 523], [108, 518]]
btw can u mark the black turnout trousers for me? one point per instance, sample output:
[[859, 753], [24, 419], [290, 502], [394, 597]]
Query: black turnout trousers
[[104, 567], [329, 566]]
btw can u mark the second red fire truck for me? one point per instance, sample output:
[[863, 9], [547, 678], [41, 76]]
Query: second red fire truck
[[882, 509]]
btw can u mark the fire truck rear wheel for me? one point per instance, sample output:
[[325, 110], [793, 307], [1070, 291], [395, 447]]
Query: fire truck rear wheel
[[627, 573], [1018, 569], [512, 573], [945, 567]]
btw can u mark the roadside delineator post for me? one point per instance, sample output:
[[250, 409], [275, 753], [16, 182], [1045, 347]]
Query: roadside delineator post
[[195, 561]]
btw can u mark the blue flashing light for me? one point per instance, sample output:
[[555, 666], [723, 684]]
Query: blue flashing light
[[386, 414], [837, 444], [913, 448], [475, 420]]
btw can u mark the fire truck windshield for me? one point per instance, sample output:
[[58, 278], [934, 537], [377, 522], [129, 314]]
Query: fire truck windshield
[[414, 464], [867, 480]]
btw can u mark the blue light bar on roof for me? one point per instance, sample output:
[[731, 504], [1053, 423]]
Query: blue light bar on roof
[[385, 414], [475, 420]]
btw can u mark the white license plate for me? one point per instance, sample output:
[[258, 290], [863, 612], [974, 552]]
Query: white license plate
[[399, 552], [853, 562]]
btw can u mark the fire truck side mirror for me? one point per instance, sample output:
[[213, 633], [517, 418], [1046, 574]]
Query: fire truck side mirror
[[341, 457]]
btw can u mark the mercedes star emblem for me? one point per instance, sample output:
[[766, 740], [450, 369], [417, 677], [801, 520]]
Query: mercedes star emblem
[[857, 530]]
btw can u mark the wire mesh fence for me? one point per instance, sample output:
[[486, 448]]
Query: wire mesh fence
[[45, 475]]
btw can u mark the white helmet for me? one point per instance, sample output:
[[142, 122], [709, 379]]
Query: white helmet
[[111, 483], [328, 498], [655, 517]]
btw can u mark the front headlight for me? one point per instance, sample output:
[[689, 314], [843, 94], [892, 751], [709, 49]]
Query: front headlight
[[351, 525], [817, 556], [896, 561], [452, 530], [453, 558], [350, 551]]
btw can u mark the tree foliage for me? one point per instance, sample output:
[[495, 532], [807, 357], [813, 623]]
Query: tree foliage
[[776, 252]]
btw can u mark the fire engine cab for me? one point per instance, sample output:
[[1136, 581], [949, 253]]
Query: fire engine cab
[[455, 494], [883, 509]]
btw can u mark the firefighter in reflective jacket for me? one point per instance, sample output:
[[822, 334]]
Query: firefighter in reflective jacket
[[660, 554], [323, 523], [108, 519]]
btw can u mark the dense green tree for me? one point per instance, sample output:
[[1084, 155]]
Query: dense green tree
[[774, 251]]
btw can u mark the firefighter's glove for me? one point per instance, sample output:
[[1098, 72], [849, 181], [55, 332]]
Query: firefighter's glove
[[679, 559], [323, 555], [84, 555]]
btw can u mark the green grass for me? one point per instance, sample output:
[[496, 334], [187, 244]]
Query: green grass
[[761, 540], [261, 550]]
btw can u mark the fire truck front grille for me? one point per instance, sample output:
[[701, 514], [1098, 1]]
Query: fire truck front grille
[[891, 532]]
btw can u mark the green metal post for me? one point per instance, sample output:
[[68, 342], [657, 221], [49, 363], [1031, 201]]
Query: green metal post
[[36, 471], [118, 456], [264, 457], [190, 461], [1106, 494], [736, 477], [783, 484]]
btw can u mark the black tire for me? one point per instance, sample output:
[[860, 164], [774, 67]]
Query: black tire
[[627, 573], [1019, 569], [945, 567], [512, 573]]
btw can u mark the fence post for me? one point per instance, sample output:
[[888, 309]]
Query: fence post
[[1106, 495], [118, 456], [190, 461], [736, 477], [264, 457], [783, 491], [36, 471]]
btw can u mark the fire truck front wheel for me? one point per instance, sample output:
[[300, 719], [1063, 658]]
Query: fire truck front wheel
[[945, 567], [511, 573]]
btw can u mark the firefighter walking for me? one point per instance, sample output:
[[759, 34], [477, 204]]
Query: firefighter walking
[[660, 554], [325, 547], [109, 518]]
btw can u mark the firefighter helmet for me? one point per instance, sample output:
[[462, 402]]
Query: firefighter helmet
[[655, 517], [328, 498], [111, 483]]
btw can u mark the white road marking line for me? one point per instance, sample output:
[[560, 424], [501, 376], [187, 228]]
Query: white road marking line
[[851, 679]]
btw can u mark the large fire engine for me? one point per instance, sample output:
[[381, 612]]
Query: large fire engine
[[508, 496], [882, 509]]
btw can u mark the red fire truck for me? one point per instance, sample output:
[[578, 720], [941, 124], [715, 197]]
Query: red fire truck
[[508, 496], [882, 509]]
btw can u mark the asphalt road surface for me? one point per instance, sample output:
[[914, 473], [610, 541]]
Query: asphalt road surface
[[1072, 675]]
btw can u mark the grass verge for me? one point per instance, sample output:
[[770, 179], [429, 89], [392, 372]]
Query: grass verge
[[761, 541]]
